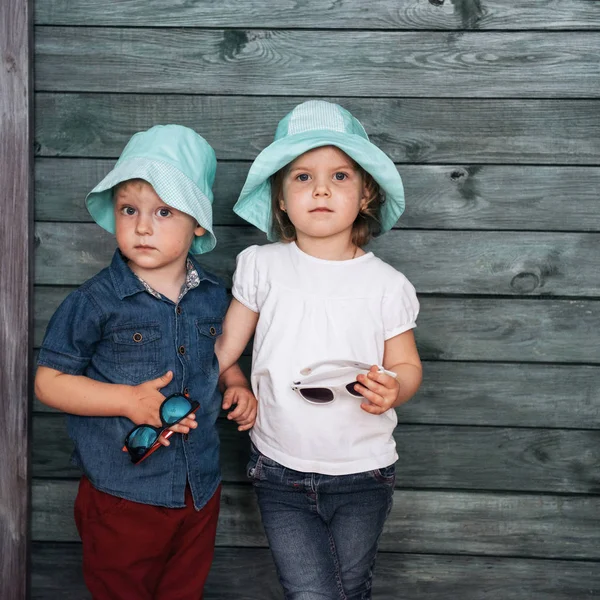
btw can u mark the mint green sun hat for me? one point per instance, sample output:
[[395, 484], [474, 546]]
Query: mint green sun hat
[[310, 125], [178, 163]]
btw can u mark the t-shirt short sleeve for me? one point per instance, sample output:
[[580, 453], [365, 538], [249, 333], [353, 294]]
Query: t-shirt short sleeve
[[72, 335], [400, 308], [245, 279]]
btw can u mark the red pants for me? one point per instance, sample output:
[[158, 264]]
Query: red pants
[[134, 551]]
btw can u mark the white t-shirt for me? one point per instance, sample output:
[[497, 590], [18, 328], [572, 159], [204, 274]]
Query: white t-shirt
[[316, 310]]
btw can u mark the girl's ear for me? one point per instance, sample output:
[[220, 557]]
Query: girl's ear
[[364, 201], [282, 204]]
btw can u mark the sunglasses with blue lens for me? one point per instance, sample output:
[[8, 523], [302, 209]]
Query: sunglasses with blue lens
[[142, 440]]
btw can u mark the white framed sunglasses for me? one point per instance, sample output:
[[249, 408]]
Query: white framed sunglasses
[[312, 390]]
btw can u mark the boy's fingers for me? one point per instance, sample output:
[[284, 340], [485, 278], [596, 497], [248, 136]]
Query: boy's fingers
[[179, 428], [163, 380], [187, 422]]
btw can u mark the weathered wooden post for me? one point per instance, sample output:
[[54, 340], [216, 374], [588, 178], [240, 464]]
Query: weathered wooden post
[[16, 201]]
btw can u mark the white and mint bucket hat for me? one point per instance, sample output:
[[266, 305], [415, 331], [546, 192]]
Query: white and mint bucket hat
[[310, 125], [178, 163]]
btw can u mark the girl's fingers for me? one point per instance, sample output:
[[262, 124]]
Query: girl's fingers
[[371, 396], [372, 408], [380, 378]]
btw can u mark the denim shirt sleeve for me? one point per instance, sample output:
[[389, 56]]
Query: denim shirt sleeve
[[72, 334]]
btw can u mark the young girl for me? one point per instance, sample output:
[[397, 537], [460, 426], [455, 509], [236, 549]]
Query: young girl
[[323, 450]]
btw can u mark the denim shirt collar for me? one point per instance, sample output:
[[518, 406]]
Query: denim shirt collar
[[126, 283]]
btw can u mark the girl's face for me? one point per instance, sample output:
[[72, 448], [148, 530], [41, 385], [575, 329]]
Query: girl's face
[[322, 193]]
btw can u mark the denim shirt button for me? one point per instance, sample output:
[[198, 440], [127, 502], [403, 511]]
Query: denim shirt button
[[212, 331], [178, 310], [138, 337], [181, 349]]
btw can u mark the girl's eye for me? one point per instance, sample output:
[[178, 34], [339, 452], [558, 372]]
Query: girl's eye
[[302, 177], [164, 212], [340, 176], [128, 210]]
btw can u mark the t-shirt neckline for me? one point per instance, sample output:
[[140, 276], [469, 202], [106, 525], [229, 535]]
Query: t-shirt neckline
[[349, 261]]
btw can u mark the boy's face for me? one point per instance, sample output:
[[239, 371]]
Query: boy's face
[[151, 234]]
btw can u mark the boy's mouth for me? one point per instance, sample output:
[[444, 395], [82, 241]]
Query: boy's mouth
[[321, 209], [143, 247]]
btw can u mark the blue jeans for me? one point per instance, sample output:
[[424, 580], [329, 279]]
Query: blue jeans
[[323, 530]]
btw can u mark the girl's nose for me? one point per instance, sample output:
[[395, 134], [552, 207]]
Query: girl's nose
[[321, 189]]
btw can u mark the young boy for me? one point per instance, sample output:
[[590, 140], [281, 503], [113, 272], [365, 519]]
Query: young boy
[[140, 330]]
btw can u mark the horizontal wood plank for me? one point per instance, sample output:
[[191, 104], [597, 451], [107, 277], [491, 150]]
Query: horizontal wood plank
[[496, 394], [480, 329], [439, 262], [57, 571], [435, 130], [509, 330], [437, 197], [315, 14], [358, 63], [421, 521], [431, 456]]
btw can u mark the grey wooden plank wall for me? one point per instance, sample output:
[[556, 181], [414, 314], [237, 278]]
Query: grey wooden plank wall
[[491, 109]]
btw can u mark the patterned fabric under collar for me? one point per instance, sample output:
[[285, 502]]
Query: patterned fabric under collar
[[192, 280]]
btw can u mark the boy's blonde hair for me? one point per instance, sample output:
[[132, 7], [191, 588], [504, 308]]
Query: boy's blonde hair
[[365, 227]]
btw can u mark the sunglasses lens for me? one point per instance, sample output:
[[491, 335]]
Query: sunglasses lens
[[350, 389], [175, 408], [318, 395], [140, 440]]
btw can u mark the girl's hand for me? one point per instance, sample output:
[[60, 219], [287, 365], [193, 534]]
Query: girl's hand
[[244, 414], [379, 389]]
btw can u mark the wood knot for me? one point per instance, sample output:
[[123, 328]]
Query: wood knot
[[436, 2], [232, 44], [457, 174], [525, 283]]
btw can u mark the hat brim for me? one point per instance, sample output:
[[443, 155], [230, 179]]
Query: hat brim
[[174, 188], [254, 203]]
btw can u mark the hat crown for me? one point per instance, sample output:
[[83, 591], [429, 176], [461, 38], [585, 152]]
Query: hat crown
[[318, 115], [179, 146]]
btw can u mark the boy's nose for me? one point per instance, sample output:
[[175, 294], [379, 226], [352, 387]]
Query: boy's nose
[[143, 225]]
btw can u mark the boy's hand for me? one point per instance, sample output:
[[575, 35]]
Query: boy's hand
[[146, 405], [244, 414], [379, 389]]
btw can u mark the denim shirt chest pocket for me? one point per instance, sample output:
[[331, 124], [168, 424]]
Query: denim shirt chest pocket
[[209, 329], [137, 351]]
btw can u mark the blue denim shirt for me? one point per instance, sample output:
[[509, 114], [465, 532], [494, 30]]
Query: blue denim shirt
[[112, 330]]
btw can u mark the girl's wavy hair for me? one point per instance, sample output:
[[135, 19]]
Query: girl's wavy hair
[[366, 226]]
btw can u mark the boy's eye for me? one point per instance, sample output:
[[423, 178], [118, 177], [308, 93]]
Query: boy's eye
[[128, 210], [302, 177], [339, 176], [164, 212]]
